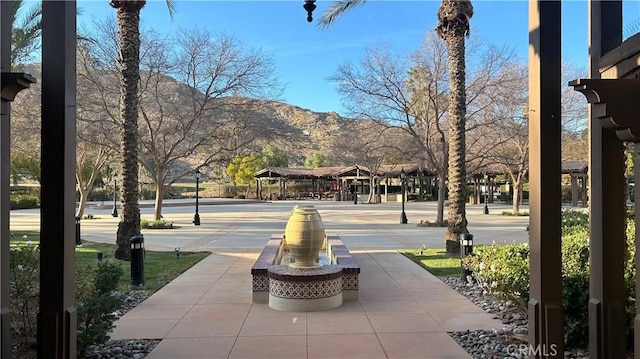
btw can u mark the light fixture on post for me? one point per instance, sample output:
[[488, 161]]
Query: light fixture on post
[[196, 217], [309, 5], [403, 180], [114, 212], [486, 193]]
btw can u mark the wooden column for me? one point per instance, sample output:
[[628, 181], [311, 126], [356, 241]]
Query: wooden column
[[5, 140], [57, 316], [545, 303], [607, 202], [583, 183], [574, 190]]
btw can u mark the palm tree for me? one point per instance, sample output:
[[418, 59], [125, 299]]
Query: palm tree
[[25, 34], [453, 27], [128, 18]]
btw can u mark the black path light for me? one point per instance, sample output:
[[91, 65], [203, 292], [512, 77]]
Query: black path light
[[403, 181], [196, 217], [114, 212]]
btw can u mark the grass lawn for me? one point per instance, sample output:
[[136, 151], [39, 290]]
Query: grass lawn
[[435, 260], [159, 267]]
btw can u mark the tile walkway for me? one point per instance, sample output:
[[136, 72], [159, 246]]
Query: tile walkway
[[403, 312]]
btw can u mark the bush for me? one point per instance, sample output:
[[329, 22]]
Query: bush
[[572, 219], [24, 201], [503, 270], [96, 302], [156, 224], [99, 194], [424, 223], [24, 299], [517, 214]]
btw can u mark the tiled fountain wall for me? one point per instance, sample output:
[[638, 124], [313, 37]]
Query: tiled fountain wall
[[282, 288]]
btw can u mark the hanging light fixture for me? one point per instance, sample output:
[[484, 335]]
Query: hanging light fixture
[[309, 5]]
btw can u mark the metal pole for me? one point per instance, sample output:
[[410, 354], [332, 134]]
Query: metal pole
[[196, 217], [114, 213], [403, 215], [486, 194]]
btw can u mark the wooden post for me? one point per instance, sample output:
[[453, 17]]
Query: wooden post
[[57, 316], [545, 303], [607, 202]]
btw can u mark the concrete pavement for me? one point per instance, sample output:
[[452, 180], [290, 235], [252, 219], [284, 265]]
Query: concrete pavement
[[403, 311]]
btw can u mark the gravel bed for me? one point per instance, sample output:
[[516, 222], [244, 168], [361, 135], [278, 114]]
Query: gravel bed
[[508, 342], [128, 348]]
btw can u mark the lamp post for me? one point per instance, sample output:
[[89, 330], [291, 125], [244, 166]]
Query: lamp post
[[196, 217], [403, 179], [114, 212], [486, 194]]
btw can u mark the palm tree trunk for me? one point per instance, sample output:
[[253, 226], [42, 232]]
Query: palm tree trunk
[[128, 17], [457, 149], [442, 193]]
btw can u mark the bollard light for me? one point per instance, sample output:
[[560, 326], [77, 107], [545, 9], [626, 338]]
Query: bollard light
[[100, 256], [137, 262], [466, 248], [78, 240], [177, 249]]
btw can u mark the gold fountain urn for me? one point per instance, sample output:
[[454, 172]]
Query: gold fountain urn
[[304, 236]]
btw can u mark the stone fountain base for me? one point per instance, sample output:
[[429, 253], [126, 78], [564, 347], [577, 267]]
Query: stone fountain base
[[303, 290]]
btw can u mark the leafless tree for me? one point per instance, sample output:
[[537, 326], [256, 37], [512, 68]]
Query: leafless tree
[[370, 144], [194, 101], [410, 92], [503, 139]]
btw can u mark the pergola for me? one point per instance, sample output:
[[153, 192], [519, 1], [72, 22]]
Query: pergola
[[612, 90], [342, 179]]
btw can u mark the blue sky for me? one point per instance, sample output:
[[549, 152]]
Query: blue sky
[[306, 56]]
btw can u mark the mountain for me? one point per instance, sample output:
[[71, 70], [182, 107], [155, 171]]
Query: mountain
[[296, 131]]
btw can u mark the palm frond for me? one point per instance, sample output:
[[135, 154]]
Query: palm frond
[[337, 9], [171, 6]]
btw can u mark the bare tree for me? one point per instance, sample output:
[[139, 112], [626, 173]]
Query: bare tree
[[503, 139], [194, 101], [370, 144], [411, 93]]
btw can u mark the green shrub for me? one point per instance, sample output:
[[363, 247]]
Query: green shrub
[[100, 194], [24, 299], [156, 224], [575, 285], [24, 201], [424, 223], [96, 302], [503, 270], [573, 218], [517, 214]]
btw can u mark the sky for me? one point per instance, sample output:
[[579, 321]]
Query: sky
[[306, 56]]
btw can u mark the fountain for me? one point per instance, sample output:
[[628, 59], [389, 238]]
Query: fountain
[[304, 269]]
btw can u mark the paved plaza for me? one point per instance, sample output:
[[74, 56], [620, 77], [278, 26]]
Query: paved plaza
[[402, 312]]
